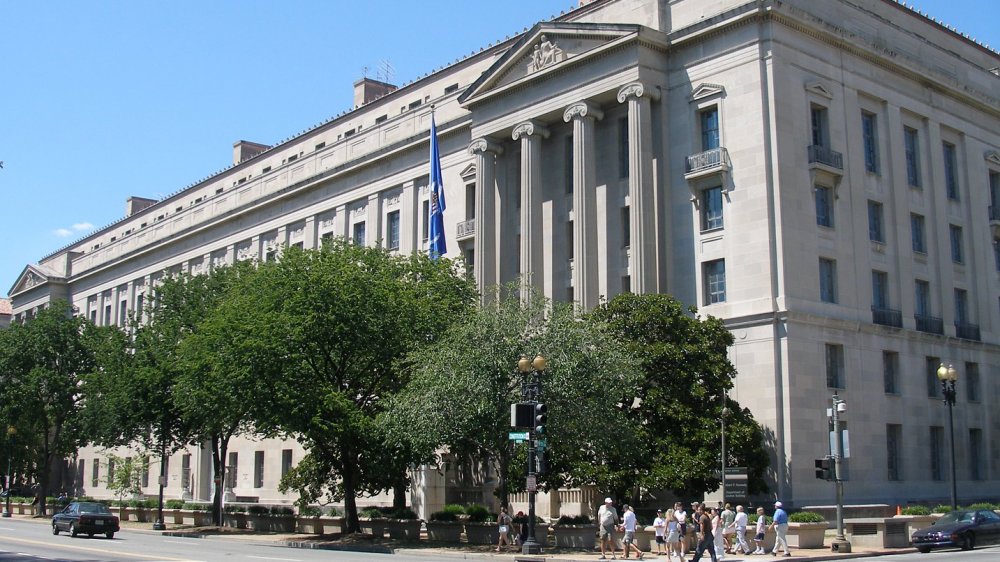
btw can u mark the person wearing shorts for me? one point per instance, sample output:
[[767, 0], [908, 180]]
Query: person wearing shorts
[[758, 539], [607, 518], [628, 527], [660, 529], [673, 536]]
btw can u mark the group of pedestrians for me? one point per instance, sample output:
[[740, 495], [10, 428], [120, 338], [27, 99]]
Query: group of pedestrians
[[718, 531]]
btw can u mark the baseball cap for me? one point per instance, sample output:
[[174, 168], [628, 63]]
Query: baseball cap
[[659, 511], [777, 504], [607, 500]]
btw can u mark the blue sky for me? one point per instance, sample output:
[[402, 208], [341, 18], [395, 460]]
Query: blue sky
[[103, 100]]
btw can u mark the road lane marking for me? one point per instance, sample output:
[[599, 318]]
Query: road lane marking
[[271, 558], [88, 549]]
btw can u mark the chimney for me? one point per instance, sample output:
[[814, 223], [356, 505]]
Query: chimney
[[135, 204], [243, 150], [368, 90]]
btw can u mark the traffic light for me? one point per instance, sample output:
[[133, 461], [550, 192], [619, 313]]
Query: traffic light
[[824, 468], [540, 418], [521, 415]]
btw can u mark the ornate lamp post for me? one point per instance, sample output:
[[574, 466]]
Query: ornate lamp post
[[11, 433], [948, 375], [531, 393]]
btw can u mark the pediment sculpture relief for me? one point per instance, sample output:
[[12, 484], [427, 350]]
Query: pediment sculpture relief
[[546, 53]]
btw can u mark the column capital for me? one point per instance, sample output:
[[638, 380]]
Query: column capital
[[529, 128], [637, 89], [583, 109], [484, 144]]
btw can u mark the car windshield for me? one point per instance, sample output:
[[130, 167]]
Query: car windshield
[[94, 508], [956, 517]]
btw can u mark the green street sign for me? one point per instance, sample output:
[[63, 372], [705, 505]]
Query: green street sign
[[517, 435]]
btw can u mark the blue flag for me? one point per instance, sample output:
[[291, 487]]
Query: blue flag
[[437, 247]]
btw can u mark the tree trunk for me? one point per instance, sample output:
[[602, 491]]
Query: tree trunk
[[350, 488], [399, 493], [219, 449]]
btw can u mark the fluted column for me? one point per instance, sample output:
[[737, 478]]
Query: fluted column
[[531, 133], [485, 244], [642, 212], [585, 288]]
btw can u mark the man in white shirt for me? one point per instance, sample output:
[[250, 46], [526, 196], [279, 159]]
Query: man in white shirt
[[660, 528], [607, 519], [628, 525], [740, 522], [681, 516]]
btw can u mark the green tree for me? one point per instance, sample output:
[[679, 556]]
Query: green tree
[[686, 375], [462, 389], [126, 479], [328, 331], [42, 362]]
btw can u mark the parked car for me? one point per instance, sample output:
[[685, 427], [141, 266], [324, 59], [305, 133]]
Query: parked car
[[963, 529], [91, 518]]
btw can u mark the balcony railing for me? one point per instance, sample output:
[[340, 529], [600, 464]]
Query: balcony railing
[[929, 324], [715, 158], [465, 229], [967, 331], [819, 154], [887, 317]]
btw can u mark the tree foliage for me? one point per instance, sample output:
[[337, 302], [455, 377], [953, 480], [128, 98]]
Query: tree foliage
[[686, 375]]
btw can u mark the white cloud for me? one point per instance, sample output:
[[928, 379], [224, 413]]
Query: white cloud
[[62, 232], [82, 226]]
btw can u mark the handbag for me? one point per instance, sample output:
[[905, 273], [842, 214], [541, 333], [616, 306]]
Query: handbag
[[503, 529]]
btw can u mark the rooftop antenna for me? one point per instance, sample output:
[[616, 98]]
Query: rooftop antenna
[[364, 71], [385, 71]]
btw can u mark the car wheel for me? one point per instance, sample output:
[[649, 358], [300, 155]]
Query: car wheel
[[110, 534], [55, 529], [967, 541], [923, 549], [72, 530]]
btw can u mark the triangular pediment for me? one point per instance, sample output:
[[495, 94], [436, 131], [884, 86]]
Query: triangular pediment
[[993, 157], [550, 47], [705, 90], [468, 172], [32, 276], [820, 89]]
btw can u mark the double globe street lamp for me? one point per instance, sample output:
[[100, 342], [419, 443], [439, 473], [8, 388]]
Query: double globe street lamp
[[531, 397], [948, 375]]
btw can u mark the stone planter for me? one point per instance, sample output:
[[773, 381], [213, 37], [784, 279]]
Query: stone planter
[[196, 518], [271, 523], [315, 525], [444, 531], [644, 537], [917, 522], [234, 520], [482, 533], [807, 535], [403, 529], [575, 536], [373, 527]]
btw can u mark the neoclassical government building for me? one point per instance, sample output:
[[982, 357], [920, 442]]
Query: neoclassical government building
[[824, 176]]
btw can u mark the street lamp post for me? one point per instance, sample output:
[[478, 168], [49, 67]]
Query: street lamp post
[[11, 433], [531, 393], [948, 375], [838, 407], [722, 418]]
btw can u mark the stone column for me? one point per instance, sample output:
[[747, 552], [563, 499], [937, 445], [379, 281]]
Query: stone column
[[531, 133], [583, 114], [642, 211], [373, 221], [485, 244], [309, 239]]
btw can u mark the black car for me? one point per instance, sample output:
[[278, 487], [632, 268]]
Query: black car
[[964, 529], [91, 518]]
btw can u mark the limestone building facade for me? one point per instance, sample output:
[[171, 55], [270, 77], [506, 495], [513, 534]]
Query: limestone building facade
[[825, 176]]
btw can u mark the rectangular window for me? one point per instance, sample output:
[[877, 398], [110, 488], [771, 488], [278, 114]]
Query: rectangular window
[[568, 163], [972, 381], [111, 470], [824, 206], [950, 171], [931, 365], [835, 366], [976, 465], [258, 469], [139, 301], [827, 280], [122, 313], [425, 213], [286, 461], [876, 218], [869, 134], [145, 473], [936, 446], [893, 450], [714, 273], [917, 233], [820, 126], [232, 470], [569, 240], [107, 315], [186, 471], [890, 372], [271, 255], [709, 128], [626, 227], [911, 147], [711, 208], [922, 300], [95, 473], [955, 235], [623, 147], [961, 306], [995, 193], [470, 200], [392, 230], [359, 233], [880, 289]]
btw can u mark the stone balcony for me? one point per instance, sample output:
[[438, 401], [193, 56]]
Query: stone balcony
[[967, 331], [887, 317], [465, 229], [929, 324], [709, 162]]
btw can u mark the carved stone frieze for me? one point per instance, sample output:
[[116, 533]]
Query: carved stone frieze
[[545, 53]]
